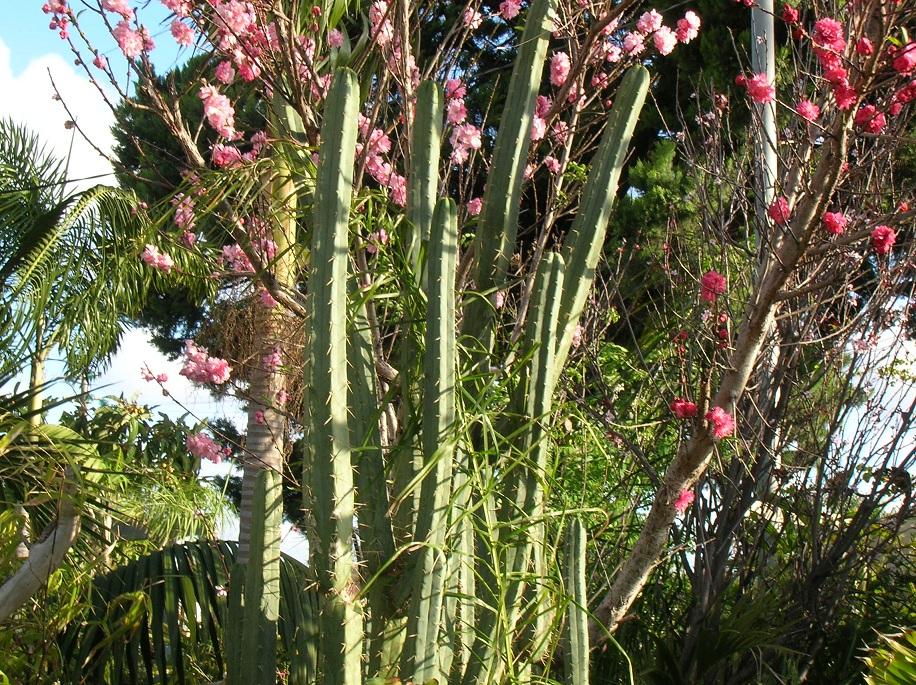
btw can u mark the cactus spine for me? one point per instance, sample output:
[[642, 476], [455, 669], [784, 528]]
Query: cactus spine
[[330, 451]]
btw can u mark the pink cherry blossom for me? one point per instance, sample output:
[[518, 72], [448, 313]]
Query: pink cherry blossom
[[121, 7], [905, 59], [633, 43], [779, 211], [456, 111], [151, 256], [472, 18], [382, 28], [684, 499], [845, 96], [538, 128], [474, 206], [688, 28], [883, 239], [864, 47], [807, 110], [203, 447], [181, 8], [236, 259], [665, 40], [184, 211], [225, 156], [683, 409], [559, 68], [577, 336], [870, 119], [224, 72], [829, 34], [335, 38], [130, 41], [722, 423], [100, 62], [712, 284], [649, 22], [182, 33], [789, 14], [200, 367], [464, 138], [552, 164], [509, 9], [218, 111], [759, 88], [273, 361], [835, 222], [455, 88]]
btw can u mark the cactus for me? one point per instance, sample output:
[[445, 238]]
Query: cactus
[[330, 449], [576, 612]]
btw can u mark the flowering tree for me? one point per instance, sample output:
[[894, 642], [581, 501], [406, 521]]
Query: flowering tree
[[261, 188]]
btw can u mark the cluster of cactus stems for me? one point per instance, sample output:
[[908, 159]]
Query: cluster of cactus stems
[[424, 598]]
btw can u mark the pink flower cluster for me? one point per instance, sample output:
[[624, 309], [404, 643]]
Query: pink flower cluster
[[235, 259], [509, 9], [712, 284], [559, 68], [759, 89], [273, 361], [118, 7], [721, 422], [883, 239], [203, 446], [464, 139], [218, 111], [200, 367], [456, 110], [151, 256], [376, 240], [829, 39], [779, 211], [184, 211], [148, 375], [182, 33], [684, 499], [132, 42], [683, 409], [376, 145], [834, 222]]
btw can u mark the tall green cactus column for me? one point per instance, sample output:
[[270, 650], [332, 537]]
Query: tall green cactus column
[[421, 660], [577, 610], [329, 448]]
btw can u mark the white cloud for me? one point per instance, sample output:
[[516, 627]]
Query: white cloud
[[28, 98]]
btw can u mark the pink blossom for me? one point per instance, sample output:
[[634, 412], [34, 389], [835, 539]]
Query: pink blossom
[[552, 164], [538, 128], [883, 239], [683, 501], [472, 18], [688, 28], [845, 96], [188, 239], [905, 59], [224, 72], [237, 259], [267, 300], [456, 111], [200, 367], [829, 34], [649, 21], [712, 284], [182, 33], [273, 361], [560, 131], [282, 397], [376, 240], [382, 28], [100, 62], [870, 119], [864, 47], [499, 299], [55, 7], [789, 14], [454, 88], [464, 138], [218, 111], [259, 417], [203, 447], [759, 89], [834, 222], [181, 8], [225, 156], [184, 211], [509, 9], [613, 53], [807, 110], [722, 423], [779, 211], [633, 43], [683, 409], [665, 40], [559, 68], [474, 206], [335, 38], [120, 7], [130, 41], [151, 256], [577, 336]]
